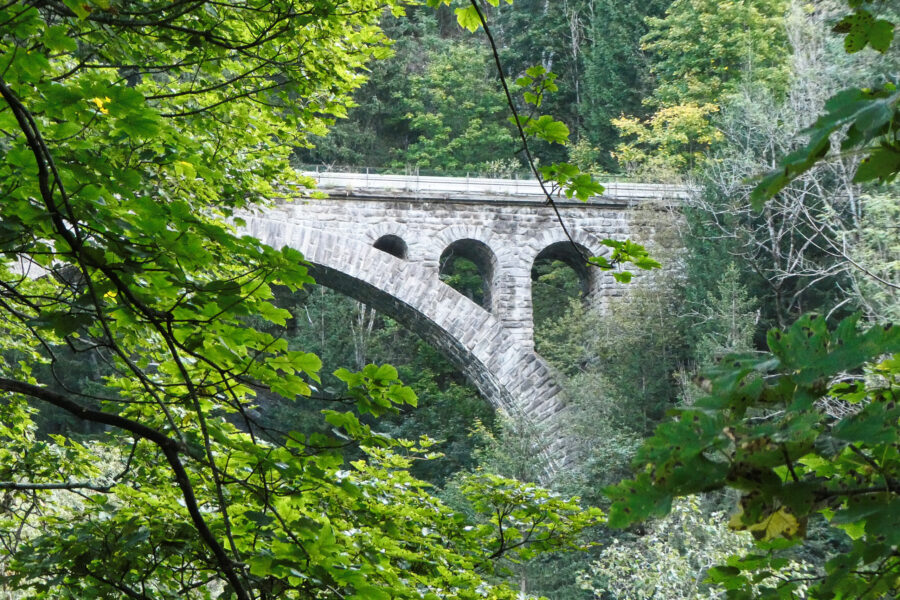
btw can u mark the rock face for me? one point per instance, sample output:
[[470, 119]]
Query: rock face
[[383, 246]]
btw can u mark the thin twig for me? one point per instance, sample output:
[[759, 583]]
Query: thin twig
[[525, 147]]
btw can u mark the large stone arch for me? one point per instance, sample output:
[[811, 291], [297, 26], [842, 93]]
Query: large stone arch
[[509, 375], [507, 302], [448, 235]]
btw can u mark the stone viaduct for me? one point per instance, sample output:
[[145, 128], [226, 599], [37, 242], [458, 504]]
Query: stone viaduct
[[383, 239]]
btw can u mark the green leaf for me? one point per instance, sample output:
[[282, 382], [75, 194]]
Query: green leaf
[[548, 129], [862, 29], [857, 27], [876, 423], [383, 373], [143, 127], [306, 362], [401, 394], [882, 164], [79, 7], [368, 592], [56, 38], [881, 34], [636, 500], [468, 18]]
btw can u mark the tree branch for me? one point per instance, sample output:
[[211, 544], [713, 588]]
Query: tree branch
[[525, 147], [70, 485], [170, 448]]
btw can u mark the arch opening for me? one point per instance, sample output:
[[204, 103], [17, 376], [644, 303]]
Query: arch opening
[[559, 275], [469, 266], [393, 245]]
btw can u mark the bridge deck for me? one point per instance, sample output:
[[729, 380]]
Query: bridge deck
[[481, 189]]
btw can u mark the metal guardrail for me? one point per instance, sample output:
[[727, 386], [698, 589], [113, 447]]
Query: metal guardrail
[[481, 188], [522, 174]]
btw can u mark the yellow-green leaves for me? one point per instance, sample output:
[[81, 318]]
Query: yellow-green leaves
[[797, 461], [376, 389], [537, 81], [81, 8], [55, 38], [468, 17], [780, 523], [572, 181], [546, 128], [623, 253], [671, 142], [519, 520]]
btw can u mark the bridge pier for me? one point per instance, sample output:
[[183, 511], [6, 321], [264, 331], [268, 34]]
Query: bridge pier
[[515, 306]]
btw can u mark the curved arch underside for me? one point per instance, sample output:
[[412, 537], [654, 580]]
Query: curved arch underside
[[481, 255], [392, 244], [510, 376], [572, 255]]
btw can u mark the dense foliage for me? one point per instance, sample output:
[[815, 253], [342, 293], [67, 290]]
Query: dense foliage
[[798, 437], [593, 48], [131, 132]]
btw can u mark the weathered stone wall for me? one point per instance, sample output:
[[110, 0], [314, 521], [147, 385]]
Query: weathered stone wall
[[515, 231]]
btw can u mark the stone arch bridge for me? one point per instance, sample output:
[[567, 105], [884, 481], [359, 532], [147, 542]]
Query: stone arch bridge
[[381, 239]]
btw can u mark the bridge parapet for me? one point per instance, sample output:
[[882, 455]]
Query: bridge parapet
[[481, 189]]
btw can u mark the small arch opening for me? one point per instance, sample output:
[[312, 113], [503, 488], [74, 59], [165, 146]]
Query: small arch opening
[[468, 267], [392, 244], [559, 275]]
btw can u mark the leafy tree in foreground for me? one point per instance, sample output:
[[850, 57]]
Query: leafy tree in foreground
[[866, 117], [130, 132], [808, 429]]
